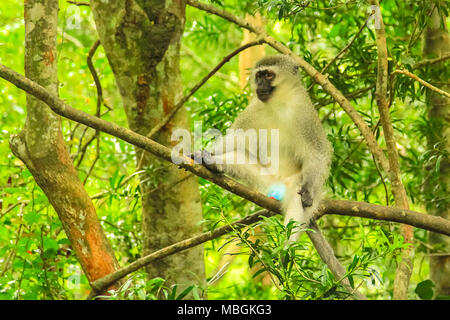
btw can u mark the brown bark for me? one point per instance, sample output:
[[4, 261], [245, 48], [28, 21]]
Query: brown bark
[[41, 147], [437, 45]]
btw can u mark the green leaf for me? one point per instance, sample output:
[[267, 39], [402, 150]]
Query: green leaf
[[185, 292], [32, 217], [425, 290], [352, 283], [50, 243], [257, 273]]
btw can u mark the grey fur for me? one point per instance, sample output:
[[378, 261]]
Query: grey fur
[[304, 150]]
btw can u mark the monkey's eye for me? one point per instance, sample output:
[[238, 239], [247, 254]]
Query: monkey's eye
[[269, 76]]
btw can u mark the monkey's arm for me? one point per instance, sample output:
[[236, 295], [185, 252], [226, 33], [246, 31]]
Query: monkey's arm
[[236, 161]]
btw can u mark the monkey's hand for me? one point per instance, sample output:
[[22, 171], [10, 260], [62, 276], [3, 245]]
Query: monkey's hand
[[207, 159], [307, 199]]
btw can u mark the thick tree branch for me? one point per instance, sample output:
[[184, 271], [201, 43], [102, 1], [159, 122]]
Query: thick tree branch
[[40, 145]]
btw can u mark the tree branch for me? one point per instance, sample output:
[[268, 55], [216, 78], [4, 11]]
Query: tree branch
[[428, 62], [322, 80]]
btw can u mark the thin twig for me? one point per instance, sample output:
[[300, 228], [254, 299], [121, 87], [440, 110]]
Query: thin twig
[[413, 40]]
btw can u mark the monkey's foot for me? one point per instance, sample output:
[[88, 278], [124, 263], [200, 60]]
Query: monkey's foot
[[207, 159], [307, 199]]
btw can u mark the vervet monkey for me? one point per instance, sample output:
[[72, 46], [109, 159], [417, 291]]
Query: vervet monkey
[[280, 102]]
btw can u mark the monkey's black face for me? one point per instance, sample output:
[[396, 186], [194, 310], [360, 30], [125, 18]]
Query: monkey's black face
[[264, 88]]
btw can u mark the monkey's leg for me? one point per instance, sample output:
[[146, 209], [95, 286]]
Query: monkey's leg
[[292, 206]]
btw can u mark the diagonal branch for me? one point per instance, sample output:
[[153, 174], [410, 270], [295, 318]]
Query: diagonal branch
[[346, 47]]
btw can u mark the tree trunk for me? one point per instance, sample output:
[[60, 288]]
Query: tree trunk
[[437, 43], [41, 147], [142, 43]]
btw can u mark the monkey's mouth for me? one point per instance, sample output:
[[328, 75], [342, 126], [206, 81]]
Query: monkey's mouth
[[264, 95]]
